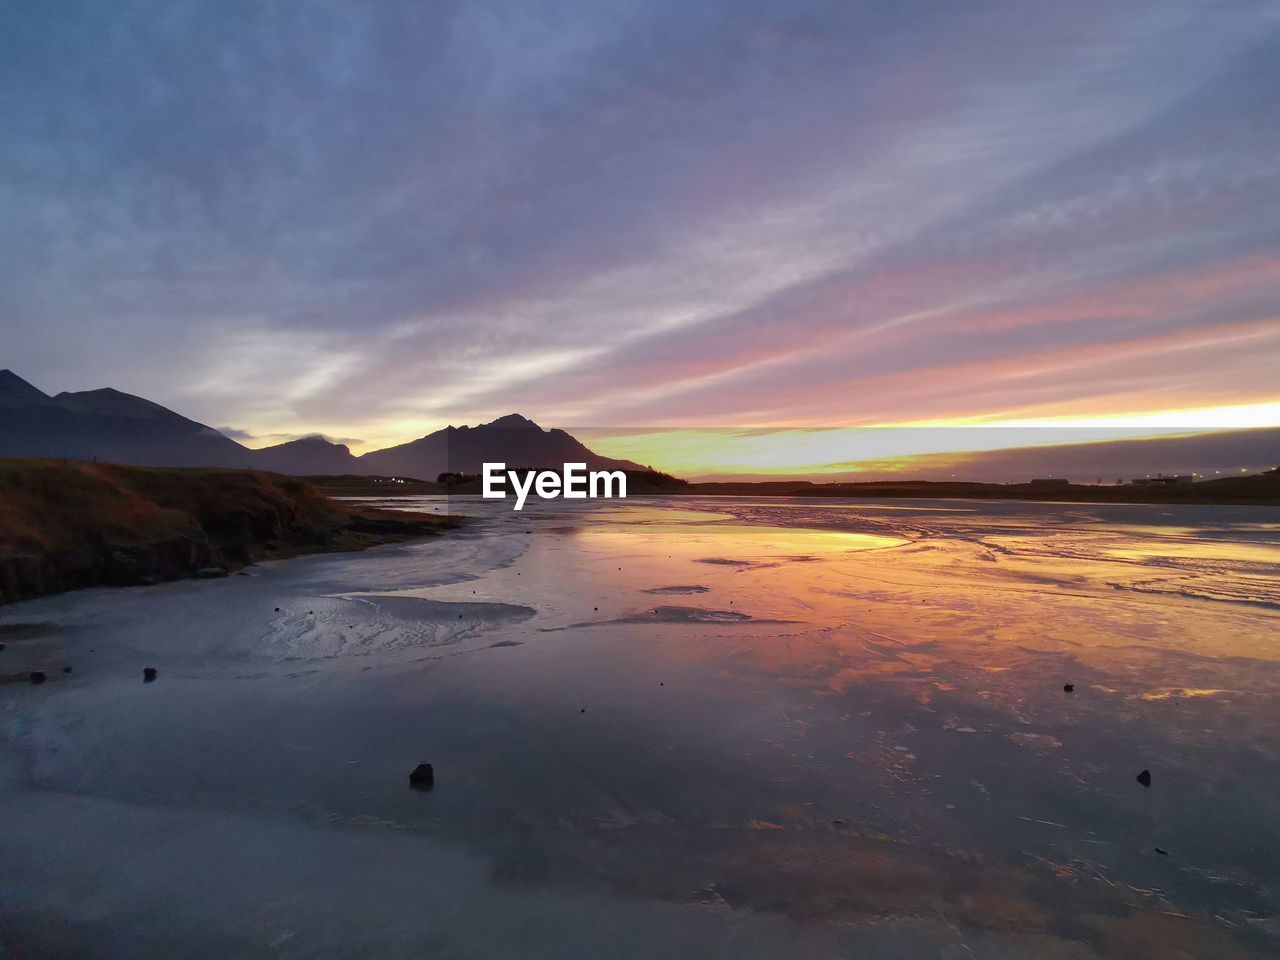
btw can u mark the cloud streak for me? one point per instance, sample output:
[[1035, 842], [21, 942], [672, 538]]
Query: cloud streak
[[371, 222]]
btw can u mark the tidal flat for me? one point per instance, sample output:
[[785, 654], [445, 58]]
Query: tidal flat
[[666, 727]]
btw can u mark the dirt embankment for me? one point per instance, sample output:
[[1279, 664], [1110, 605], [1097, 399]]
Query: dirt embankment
[[70, 524]]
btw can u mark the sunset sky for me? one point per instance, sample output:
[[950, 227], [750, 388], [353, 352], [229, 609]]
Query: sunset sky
[[371, 221]]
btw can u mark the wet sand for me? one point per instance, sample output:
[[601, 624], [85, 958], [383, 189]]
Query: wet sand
[[722, 727]]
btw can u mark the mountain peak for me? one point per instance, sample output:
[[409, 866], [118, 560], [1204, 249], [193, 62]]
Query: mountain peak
[[13, 387], [513, 421], [113, 402], [319, 441]]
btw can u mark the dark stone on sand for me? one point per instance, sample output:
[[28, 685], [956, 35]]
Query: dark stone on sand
[[1144, 778], [1163, 853], [1068, 688], [66, 669], [423, 777], [277, 609], [148, 674], [37, 676], [583, 710]]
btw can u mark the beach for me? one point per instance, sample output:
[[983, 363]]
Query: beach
[[684, 727]]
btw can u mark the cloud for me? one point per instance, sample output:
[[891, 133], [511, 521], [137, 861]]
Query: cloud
[[374, 221]]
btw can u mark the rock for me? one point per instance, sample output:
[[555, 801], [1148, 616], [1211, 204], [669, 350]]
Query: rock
[[277, 609], [148, 674], [1068, 688], [66, 669], [1163, 853], [583, 710], [37, 676], [423, 777], [1144, 778], [1, 646]]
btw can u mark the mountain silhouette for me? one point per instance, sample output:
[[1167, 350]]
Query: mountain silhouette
[[307, 456], [107, 425], [118, 427], [513, 439]]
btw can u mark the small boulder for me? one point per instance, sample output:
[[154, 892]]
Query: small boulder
[[1068, 688], [37, 676], [1144, 778], [423, 777], [66, 669], [148, 674], [1163, 853]]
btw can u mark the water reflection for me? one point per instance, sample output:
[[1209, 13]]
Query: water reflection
[[884, 690], [849, 715]]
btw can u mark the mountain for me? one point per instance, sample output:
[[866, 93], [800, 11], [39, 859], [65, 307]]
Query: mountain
[[107, 425], [513, 440], [120, 428], [16, 391], [308, 456]]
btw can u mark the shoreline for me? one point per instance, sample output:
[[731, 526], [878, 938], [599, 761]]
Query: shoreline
[[68, 525], [1167, 496]]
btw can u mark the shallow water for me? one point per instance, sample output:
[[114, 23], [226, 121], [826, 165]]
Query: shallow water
[[667, 728]]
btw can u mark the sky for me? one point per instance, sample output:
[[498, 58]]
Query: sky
[[372, 220]]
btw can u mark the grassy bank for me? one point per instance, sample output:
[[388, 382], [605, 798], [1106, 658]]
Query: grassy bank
[[70, 524]]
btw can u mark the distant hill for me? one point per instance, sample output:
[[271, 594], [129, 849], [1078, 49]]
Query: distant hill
[[1256, 489], [512, 439], [116, 427], [307, 456]]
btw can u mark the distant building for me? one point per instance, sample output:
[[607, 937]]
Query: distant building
[[1051, 483], [1160, 480]]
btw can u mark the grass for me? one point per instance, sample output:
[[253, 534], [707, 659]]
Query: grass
[[55, 509]]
